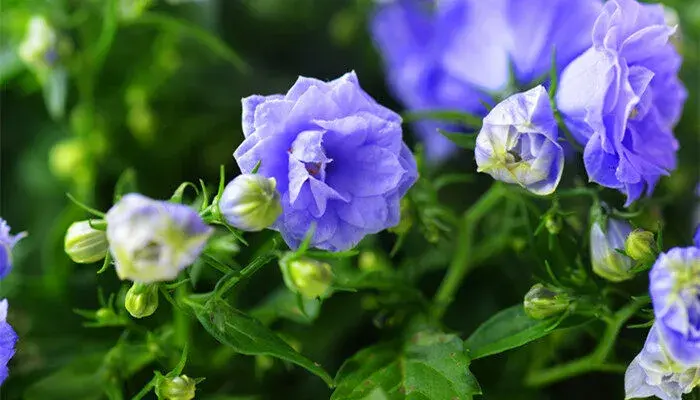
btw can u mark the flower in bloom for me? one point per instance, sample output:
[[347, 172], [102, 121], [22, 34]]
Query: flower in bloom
[[8, 339], [654, 373], [153, 240], [606, 261], [251, 202], [622, 98], [7, 242], [674, 285], [518, 143], [337, 156], [453, 54]]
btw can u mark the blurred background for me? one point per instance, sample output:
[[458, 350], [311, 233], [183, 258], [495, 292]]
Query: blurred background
[[154, 88]]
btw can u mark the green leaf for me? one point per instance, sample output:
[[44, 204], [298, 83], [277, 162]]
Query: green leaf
[[55, 92], [127, 183], [429, 366], [463, 140], [507, 330], [247, 335]]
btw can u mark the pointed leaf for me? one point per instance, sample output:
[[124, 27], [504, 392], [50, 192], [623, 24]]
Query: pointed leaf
[[507, 330], [247, 335], [463, 140]]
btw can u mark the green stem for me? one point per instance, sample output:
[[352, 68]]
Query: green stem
[[246, 272], [596, 361], [463, 260]]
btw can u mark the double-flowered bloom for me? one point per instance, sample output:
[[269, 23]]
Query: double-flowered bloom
[[153, 240], [622, 98], [518, 143], [675, 293], [654, 373], [336, 155], [454, 54]]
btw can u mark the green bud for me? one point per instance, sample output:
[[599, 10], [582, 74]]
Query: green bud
[[179, 388], [141, 300], [553, 224], [541, 302], [371, 260], [85, 244], [305, 276], [640, 245], [250, 202]]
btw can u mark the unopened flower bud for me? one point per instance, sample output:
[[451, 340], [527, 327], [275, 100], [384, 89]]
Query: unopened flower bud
[[640, 246], [541, 302], [179, 388], [251, 202], [606, 261], [85, 244], [39, 45], [553, 224], [305, 276], [141, 300]]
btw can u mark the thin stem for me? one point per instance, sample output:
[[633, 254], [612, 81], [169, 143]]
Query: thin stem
[[463, 260], [594, 361], [246, 272]]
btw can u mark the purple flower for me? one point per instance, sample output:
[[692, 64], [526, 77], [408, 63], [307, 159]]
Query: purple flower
[[622, 97], [7, 242], [153, 240], [654, 373], [453, 54], [518, 143], [8, 339], [337, 157], [696, 237], [674, 285]]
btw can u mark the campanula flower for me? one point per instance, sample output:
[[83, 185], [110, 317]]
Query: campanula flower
[[518, 143], [674, 285], [622, 98], [606, 261], [454, 54], [251, 202], [696, 237], [337, 156], [8, 339], [654, 373], [7, 242], [153, 240]]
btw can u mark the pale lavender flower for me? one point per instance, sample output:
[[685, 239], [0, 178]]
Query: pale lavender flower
[[7, 242], [153, 240], [674, 285], [606, 261], [518, 143]]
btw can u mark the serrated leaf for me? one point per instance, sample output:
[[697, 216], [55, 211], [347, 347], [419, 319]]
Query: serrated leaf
[[463, 140], [507, 330], [248, 336], [429, 366]]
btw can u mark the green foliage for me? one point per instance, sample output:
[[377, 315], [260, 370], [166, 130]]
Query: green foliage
[[506, 330], [247, 335], [428, 365]]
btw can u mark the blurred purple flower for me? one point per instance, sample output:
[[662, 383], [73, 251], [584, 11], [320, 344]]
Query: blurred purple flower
[[518, 143], [674, 286], [153, 240], [7, 242], [654, 373], [453, 54], [622, 97], [8, 339], [337, 156]]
